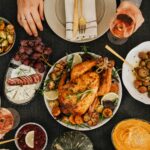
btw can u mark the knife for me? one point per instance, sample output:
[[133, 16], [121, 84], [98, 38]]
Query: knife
[[75, 18]]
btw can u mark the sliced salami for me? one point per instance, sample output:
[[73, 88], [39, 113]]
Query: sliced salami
[[25, 80]]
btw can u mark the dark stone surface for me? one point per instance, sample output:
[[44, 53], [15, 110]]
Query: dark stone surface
[[36, 110]]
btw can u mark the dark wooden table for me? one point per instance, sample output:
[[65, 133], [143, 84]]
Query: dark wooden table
[[36, 110]]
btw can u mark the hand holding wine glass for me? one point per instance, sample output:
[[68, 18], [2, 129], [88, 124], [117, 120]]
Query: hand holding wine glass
[[127, 20]]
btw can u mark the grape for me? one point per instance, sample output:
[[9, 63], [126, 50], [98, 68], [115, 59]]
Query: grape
[[17, 57], [21, 49], [36, 56], [29, 51], [47, 51], [24, 43], [31, 43], [39, 49], [37, 41], [24, 56], [26, 62], [37, 65], [42, 69]]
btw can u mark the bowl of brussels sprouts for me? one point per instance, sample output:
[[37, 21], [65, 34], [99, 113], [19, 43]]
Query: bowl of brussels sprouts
[[7, 36]]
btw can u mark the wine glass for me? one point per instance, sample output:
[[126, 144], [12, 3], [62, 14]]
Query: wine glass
[[124, 24]]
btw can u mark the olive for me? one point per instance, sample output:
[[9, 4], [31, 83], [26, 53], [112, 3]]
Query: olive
[[143, 55], [142, 89], [143, 72]]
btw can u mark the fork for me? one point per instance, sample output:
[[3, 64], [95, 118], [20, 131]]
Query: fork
[[82, 20]]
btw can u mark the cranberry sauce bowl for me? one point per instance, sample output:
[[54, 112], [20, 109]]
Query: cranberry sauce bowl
[[31, 136]]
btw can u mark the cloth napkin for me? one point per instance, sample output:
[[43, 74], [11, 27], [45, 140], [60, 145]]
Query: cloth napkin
[[89, 12]]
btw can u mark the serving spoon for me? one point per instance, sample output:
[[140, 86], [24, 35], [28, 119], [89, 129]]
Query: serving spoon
[[118, 56]]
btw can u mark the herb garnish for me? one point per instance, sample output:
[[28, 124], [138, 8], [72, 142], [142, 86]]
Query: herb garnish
[[115, 73], [85, 49], [69, 62], [80, 94]]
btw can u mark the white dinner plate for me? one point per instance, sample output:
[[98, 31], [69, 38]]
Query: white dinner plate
[[127, 72], [77, 127], [55, 15]]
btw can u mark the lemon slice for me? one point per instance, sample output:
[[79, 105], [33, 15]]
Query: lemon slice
[[76, 60], [51, 95], [29, 139], [110, 96]]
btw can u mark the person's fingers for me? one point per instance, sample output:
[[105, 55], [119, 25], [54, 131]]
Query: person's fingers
[[31, 24], [41, 10], [37, 19], [25, 25], [19, 19]]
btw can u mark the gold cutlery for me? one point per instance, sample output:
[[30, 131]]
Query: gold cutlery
[[8, 141], [82, 20], [117, 55], [75, 18]]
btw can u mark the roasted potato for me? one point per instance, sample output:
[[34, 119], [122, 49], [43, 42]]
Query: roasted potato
[[107, 112], [142, 89], [78, 119], [143, 55], [56, 111], [137, 83], [7, 34], [2, 25]]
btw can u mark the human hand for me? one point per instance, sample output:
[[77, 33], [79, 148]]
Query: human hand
[[30, 14]]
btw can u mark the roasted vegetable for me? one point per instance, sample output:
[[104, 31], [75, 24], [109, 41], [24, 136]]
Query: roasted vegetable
[[53, 103], [2, 34], [143, 55], [6, 37], [71, 119], [4, 43], [56, 111], [65, 119], [142, 72], [10, 28], [100, 108], [94, 119], [142, 89], [10, 38], [107, 112], [2, 24], [137, 83], [78, 120], [51, 85]]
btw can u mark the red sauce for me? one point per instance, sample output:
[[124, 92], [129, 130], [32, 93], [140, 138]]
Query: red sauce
[[39, 137]]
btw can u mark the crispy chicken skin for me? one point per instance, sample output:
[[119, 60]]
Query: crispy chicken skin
[[81, 68], [105, 82], [81, 81]]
